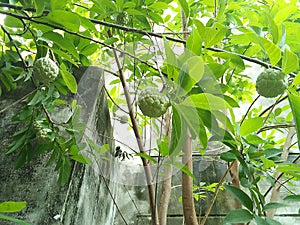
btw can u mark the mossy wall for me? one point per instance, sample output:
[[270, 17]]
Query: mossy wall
[[87, 197]]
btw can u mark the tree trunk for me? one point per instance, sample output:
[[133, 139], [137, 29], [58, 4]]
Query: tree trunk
[[165, 197], [167, 182], [189, 213]]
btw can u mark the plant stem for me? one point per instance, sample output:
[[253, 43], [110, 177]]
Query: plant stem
[[148, 173]]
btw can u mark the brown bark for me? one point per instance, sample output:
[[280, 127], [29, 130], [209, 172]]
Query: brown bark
[[234, 173], [167, 182], [189, 213], [165, 197], [147, 170]]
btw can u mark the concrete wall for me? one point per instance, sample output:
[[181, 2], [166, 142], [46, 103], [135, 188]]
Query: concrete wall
[[87, 198]]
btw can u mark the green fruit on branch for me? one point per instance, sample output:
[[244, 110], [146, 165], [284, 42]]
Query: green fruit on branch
[[152, 103], [43, 136], [45, 70], [271, 83]]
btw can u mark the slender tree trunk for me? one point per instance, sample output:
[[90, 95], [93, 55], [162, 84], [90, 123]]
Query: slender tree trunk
[[167, 182], [147, 170], [165, 197], [189, 213], [234, 173]]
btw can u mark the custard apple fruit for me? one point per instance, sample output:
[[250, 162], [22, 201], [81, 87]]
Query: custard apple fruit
[[152, 103], [43, 134], [45, 70], [271, 83]]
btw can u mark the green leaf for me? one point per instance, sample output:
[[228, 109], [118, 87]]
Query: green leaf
[[70, 80], [251, 125], [163, 146], [272, 222], [194, 123], [290, 61], [65, 171], [273, 205], [292, 198], [184, 169], [286, 11], [235, 60], [178, 133], [62, 42], [191, 73], [171, 60], [294, 101], [228, 156], [205, 101], [68, 20], [9, 206], [267, 163], [89, 49], [241, 196], [58, 4], [185, 7], [260, 220], [238, 216], [213, 35], [146, 156], [39, 6], [194, 42], [272, 50], [8, 218], [13, 22]]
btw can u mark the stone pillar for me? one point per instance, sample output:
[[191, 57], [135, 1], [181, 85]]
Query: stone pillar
[[87, 198]]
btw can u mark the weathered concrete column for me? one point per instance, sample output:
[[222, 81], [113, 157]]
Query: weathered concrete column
[[87, 198]]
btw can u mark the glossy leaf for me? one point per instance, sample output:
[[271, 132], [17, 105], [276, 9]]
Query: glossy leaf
[[171, 60], [273, 205], [146, 156], [13, 22], [241, 196], [292, 198], [70, 80], [9, 206], [178, 133], [260, 221], [39, 6], [251, 125], [191, 72], [185, 7], [68, 20], [294, 101], [194, 123], [273, 51], [290, 61], [194, 42], [65, 171], [205, 101], [238, 216]]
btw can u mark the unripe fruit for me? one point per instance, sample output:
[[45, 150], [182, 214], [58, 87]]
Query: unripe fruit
[[45, 70], [152, 103], [271, 83]]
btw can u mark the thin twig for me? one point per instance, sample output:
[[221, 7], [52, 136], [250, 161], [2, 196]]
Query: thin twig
[[18, 101], [218, 187]]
